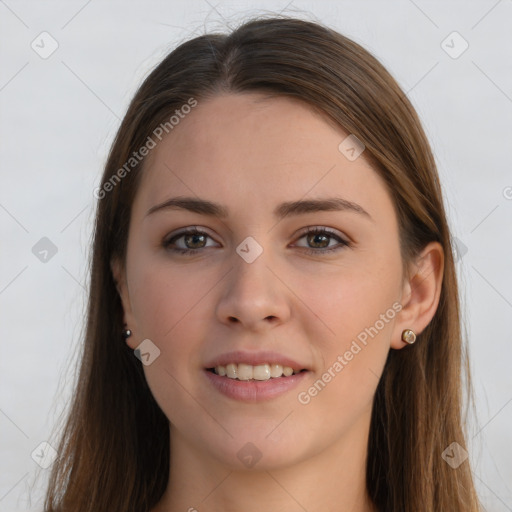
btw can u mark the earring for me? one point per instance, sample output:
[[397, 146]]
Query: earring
[[127, 333], [408, 336]]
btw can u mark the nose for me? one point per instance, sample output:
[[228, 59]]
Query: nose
[[254, 297]]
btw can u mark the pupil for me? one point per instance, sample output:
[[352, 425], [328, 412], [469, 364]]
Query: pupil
[[316, 239], [194, 239]]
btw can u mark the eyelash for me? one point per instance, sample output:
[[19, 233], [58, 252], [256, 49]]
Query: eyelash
[[310, 230]]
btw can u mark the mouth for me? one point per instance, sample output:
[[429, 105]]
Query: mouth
[[260, 372], [254, 383], [249, 376]]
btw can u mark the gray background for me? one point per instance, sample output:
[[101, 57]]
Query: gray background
[[58, 118]]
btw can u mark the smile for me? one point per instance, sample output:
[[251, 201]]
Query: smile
[[261, 372], [239, 385]]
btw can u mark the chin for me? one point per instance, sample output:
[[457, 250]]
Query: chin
[[254, 450]]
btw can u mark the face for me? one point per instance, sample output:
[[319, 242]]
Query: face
[[295, 266]]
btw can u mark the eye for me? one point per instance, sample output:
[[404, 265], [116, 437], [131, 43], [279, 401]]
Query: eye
[[187, 241], [319, 240]]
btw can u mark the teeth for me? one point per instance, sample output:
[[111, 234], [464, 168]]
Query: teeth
[[232, 371], [244, 371], [261, 372], [276, 370], [287, 371]]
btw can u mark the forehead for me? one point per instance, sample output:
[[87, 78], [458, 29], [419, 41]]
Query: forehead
[[251, 152]]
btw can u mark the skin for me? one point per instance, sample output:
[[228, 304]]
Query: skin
[[250, 153]]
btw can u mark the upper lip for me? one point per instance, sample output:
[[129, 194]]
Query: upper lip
[[254, 358]]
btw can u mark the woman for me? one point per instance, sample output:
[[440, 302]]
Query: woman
[[273, 316]]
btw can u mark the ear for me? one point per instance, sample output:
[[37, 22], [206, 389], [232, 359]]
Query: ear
[[420, 293], [119, 274]]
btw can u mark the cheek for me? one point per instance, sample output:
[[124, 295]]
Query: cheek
[[165, 296], [169, 307], [172, 307], [355, 312], [346, 301]]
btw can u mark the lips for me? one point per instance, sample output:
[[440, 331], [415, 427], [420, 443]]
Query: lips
[[254, 390], [254, 376]]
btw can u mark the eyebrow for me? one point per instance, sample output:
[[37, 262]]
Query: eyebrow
[[287, 209]]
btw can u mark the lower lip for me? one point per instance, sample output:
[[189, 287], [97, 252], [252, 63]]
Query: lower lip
[[254, 390]]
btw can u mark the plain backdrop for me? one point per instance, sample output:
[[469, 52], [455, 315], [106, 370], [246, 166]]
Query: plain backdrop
[[58, 116]]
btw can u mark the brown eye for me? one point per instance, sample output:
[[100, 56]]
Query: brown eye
[[195, 241], [317, 240], [188, 241], [321, 240]]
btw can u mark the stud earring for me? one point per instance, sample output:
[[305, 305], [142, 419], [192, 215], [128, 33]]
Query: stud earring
[[127, 333], [408, 336]]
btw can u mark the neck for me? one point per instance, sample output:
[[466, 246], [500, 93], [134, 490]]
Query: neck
[[334, 479]]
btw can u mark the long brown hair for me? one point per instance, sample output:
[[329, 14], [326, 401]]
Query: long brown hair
[[114, 447]]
